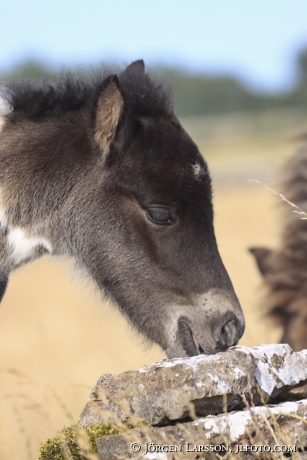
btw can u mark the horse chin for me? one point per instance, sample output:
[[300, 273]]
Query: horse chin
[[177, 351], [186, 343]]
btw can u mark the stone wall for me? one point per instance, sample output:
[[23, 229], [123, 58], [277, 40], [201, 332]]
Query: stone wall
[[237, 404]]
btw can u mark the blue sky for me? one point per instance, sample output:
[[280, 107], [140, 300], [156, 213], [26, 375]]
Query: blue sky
[[254, 40]]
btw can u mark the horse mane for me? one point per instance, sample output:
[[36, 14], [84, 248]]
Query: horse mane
[[144, 95]]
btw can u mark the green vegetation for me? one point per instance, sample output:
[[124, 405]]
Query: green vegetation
[[76, 442], [29, 70], [202, 94]]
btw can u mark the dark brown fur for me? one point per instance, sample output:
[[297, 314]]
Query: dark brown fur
[[103, 172], [285, 269]]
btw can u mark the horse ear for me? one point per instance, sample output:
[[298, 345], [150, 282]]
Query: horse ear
[[262, 257], [110, 107], [136, 66]]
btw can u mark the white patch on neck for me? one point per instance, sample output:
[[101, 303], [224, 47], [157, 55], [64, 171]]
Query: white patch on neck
[[3, 223], [198, 170], [2, 122], [23, 246]]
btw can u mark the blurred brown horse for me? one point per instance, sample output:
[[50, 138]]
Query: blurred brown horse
[[285, 269]]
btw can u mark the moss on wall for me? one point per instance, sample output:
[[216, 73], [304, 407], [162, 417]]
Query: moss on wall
[[77, 442]]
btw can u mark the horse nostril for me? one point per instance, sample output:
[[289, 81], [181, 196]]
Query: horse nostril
[[229, 336]]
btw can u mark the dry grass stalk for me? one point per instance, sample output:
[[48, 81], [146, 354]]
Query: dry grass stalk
[[297, 209]]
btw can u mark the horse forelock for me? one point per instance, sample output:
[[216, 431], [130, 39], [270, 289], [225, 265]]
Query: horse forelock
[[144, 95]]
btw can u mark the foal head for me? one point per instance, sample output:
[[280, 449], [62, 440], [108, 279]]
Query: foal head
[[132, 203], [148, 226]]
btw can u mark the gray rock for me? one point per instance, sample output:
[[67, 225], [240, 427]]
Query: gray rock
[[248, 434], [202, 385]]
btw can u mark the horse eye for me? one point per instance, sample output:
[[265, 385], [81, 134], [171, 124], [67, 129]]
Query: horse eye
[[159, 216]]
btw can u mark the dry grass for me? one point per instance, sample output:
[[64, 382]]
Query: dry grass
[[264, 428], [55, 340]]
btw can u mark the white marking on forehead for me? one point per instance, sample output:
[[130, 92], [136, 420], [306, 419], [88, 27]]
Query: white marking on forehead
[[23, 246], [198, 170]]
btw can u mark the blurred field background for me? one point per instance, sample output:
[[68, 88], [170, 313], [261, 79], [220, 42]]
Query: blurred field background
[[239, 73]]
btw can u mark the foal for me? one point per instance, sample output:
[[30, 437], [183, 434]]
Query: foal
[[103, 172]]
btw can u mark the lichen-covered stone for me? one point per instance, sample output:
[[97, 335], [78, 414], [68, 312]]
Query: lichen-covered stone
[[202, 385], [281, 425]]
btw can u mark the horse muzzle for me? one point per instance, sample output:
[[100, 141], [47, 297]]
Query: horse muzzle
[[193, 340]]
